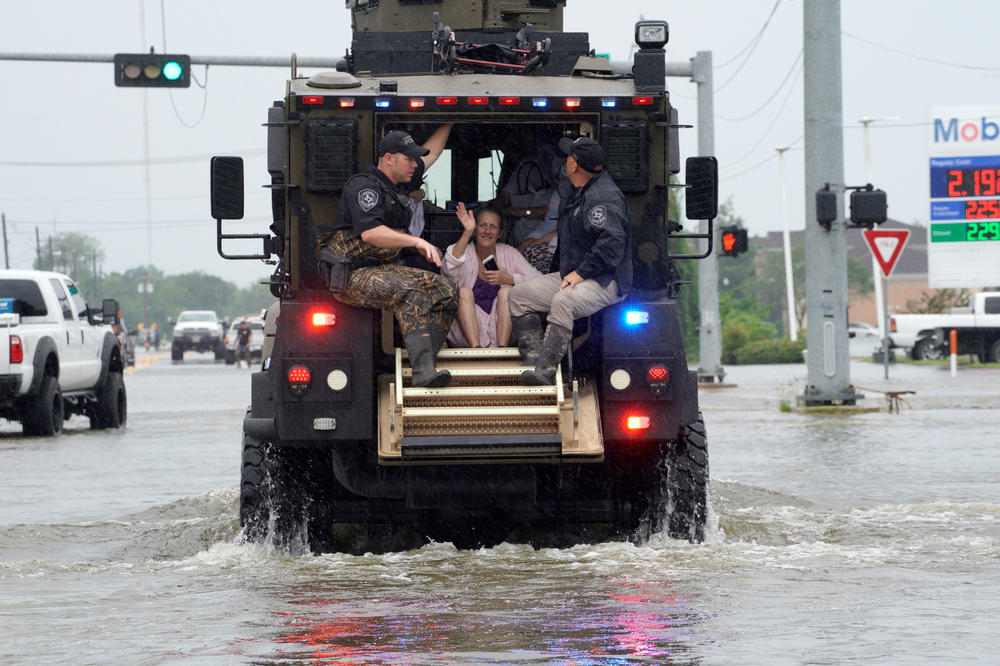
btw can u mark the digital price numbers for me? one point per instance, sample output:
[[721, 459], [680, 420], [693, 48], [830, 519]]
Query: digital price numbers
[[965, 188], [981, 231]]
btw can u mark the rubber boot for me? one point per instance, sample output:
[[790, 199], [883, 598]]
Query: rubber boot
[[529, 336], [437, 339], [419, 347], [554, 347]]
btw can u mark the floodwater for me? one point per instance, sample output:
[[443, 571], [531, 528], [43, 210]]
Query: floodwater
[[871, 538]]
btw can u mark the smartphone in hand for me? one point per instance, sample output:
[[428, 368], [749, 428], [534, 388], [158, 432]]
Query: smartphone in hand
[[490, 263]]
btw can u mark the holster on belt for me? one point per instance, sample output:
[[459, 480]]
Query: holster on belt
[[335, 270]]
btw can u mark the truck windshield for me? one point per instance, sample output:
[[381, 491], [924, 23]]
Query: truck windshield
[[195, 316], [28, 300]]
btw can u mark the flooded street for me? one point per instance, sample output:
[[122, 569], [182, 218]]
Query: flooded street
[[871, 538]]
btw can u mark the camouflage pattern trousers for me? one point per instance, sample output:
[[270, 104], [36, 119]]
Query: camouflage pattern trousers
[[421, 300]]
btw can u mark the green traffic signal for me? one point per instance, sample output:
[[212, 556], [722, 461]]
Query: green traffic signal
[[152, 70], [172, 70]]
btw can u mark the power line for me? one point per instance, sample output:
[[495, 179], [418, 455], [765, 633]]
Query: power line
[[777, 115], [919, 57], [773, 95], [761, 163], [755, 38], [755, 42]]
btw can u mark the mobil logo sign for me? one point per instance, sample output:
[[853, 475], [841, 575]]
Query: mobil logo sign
[[964, 130]]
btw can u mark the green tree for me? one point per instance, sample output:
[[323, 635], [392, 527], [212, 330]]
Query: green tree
[[77, 255]]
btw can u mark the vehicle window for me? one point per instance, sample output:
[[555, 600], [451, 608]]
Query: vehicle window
[[195, 316], [992, 305], [78, 301], [67, 311], [28, 300]]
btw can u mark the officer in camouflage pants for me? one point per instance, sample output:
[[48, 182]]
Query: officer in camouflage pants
[[369, 230]]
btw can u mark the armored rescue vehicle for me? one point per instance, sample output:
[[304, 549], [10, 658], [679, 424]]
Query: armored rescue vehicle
[[338, 446]]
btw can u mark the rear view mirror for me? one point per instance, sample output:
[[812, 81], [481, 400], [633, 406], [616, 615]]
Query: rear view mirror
[[702, 195], [227, 188], [109, 311]]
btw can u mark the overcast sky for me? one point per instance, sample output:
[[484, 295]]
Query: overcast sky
[[72, 115]]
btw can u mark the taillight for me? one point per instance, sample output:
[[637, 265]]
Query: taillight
[[298, 379], [657, 377], [642, 101], [892, 324], [510, 101], [324, 319], [16, 350], [311, 99], [637, 422]]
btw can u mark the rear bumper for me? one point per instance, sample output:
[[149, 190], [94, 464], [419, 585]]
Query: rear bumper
[[10, 385]]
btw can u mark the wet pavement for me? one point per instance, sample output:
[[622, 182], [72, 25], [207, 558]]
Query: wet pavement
[[868, 538]]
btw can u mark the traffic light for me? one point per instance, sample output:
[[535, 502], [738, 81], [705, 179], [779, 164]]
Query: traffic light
[[152, 70], [734, 241], [868, 207], [826, 207]]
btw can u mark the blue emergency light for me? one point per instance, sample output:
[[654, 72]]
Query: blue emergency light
[[382, 103], [635, 317]]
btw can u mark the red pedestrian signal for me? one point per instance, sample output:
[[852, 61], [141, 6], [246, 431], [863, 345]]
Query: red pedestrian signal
[[734, 241]]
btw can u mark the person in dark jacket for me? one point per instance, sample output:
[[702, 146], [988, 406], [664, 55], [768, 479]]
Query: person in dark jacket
[[369, 230], [592, 262]]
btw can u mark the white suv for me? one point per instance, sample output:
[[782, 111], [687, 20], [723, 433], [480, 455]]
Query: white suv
[[198, 330]]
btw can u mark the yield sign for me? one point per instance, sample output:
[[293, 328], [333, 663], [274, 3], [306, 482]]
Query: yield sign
[[886, 245]]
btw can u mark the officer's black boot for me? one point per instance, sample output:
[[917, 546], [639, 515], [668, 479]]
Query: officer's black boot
[[529, 336], [554, 347], [437, 339], [419, 347]]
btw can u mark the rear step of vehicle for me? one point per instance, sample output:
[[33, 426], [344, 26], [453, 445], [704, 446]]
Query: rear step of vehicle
[[485, 415]]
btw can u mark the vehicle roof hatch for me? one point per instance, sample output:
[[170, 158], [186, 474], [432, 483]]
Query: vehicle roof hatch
[[333, 80]]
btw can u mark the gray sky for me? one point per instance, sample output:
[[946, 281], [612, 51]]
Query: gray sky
[[72, 113]]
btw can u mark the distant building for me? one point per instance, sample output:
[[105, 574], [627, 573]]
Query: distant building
[[909, 278]]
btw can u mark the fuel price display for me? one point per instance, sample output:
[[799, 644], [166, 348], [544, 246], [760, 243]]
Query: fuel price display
[[965, 188]]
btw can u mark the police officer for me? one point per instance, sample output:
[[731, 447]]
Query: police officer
[[593, 260], [369, 230]]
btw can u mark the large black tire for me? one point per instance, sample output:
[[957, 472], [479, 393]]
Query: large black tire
[[44, 415], [220, 351], [111, 409], [230, 357], [176, 352], [282, 498], [687, 480], [926, 350], [994, 354]]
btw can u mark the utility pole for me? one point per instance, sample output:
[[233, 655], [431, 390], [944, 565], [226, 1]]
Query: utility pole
[[50, 253], [710, 331], [6, 256], [828, 364], [38, 248], [793, 324]]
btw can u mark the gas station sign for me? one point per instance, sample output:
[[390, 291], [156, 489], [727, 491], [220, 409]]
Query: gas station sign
[[963, 241]]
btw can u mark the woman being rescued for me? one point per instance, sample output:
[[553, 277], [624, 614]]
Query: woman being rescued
[[483, 318]]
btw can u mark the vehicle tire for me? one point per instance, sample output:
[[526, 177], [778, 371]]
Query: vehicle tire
[[220, 351], [45, 415], [926, 350], [176, 352], [111, 409], [230, 357], [994, 355], [687, 480], [282, 495]]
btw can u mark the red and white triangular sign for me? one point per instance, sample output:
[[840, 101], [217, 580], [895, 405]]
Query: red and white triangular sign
[[886, 245]]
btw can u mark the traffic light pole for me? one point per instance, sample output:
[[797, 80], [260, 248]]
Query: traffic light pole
[[233, 61], [829, 374]]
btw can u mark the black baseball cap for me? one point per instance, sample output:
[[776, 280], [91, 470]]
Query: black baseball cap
[[588, 153], [398, 141]]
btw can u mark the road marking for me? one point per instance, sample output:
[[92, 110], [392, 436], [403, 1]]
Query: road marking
[[144, 362]]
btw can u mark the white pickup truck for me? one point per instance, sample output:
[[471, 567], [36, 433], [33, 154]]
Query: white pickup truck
[[57, 356], [927, 335]]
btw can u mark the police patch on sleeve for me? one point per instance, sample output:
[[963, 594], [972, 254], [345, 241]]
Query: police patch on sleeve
[[367, 199], [598, 215]]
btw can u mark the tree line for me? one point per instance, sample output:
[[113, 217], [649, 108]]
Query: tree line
[[81, 257]]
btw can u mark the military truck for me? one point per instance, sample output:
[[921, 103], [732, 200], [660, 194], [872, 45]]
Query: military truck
[[339, 450]]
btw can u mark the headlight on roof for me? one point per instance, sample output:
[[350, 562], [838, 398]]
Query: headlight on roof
[[651, 34]]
